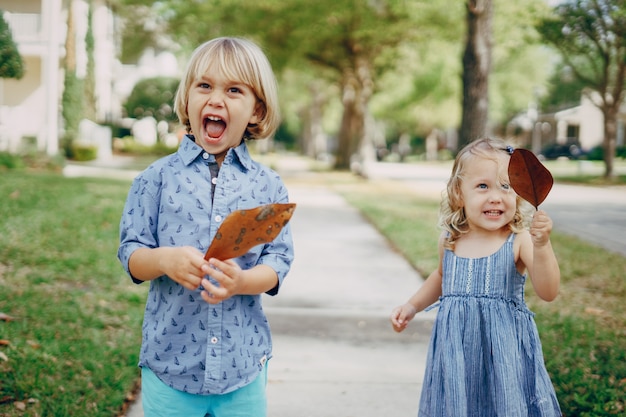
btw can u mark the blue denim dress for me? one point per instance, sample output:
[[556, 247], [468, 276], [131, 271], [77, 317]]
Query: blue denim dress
[[485, 356]]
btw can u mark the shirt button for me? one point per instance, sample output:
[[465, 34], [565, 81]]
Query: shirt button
[[214, 180], [214, 340], [205, 155], [218, 218]]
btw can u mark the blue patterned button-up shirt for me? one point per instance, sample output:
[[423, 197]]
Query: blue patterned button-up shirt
[[189, 344]]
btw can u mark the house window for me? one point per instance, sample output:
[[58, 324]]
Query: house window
[[573, 132]]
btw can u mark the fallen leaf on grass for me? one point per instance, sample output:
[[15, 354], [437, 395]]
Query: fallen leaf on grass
[[20, 405], [4, 342], [530, 179], [594, 311], [6, 317], [4, 357], [33, 344]]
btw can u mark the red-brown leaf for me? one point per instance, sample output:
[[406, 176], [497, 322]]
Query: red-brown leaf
[[244, 229], [530, 179]]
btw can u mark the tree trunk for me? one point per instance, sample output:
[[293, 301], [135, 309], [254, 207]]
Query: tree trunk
[[351, 127], [357, 88], [476, 69], [610, 138]]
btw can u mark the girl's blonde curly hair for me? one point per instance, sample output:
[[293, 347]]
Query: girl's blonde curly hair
[[452, 216]]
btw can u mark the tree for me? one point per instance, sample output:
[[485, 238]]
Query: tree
[[590, 36], [73, 89], [353, 43], [11, 63], [476, 70], [90, 77]]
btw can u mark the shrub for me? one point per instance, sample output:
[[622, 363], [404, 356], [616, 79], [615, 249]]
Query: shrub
[[153, 97], [84, 152], [10, 161]]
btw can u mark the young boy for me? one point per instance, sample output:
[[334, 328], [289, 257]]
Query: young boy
[[206, 339]]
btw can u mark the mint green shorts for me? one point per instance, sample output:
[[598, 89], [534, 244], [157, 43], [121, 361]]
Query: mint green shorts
[[160, 400]]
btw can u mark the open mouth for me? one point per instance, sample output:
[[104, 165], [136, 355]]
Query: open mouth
[[214, 126], [493, 213]]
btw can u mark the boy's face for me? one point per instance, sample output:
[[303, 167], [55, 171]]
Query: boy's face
[[219, 111]]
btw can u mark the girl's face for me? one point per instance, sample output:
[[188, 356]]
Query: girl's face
[[219, 112], [488, 199]]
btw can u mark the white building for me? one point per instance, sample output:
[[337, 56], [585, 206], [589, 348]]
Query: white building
[[585, 123], [30, 107], [582, 125]]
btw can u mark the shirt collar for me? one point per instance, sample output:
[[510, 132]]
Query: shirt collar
[[189, 150]]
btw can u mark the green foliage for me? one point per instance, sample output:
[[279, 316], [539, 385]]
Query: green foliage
[[589, 36], [563, 90], [11, 63], [89, 111], [128, 145], [153, 97], [76, 329], [10, 161], [72, 105], [84, 153], [587, 363], [36, 161], [413, 50]]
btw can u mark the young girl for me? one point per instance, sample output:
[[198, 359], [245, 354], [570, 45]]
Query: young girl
[[485, 356], [206, 339]]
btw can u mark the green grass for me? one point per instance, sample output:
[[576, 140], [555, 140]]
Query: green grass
[[71, 344], [583, 331]]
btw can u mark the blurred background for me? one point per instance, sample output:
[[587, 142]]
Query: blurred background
[[359, 79]]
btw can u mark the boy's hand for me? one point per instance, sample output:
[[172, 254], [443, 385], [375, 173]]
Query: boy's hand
[[402, 315], [540, 228], [185, 265], [228, 274]]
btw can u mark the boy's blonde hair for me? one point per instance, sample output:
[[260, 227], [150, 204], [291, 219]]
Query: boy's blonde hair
[[239, 60], [452, 215]]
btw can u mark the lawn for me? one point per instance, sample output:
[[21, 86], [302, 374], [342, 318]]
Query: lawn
[[70, 320]]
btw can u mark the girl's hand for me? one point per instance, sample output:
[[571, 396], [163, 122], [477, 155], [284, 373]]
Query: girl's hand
[[540, 228], [402, 315], [230, 278]]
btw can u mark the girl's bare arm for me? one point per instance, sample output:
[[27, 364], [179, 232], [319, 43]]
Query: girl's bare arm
[[539, 258]]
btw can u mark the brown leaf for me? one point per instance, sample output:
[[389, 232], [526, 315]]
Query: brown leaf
[[244, 229], [530, 179], [4, 342]]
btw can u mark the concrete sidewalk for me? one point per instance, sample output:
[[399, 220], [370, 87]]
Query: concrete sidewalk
[[335, 353]]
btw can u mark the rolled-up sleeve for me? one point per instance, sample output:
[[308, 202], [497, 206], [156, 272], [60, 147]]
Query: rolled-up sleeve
[[138, 223]]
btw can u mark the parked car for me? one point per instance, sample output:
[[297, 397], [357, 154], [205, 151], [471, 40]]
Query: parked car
[[562, 150]]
